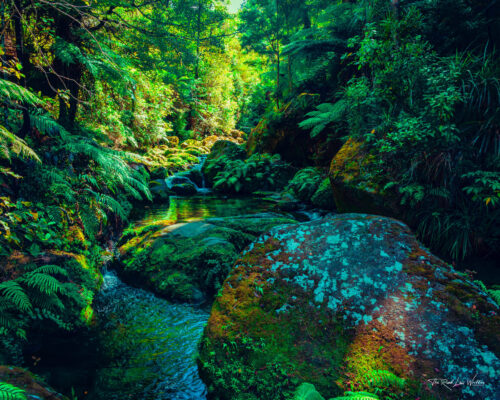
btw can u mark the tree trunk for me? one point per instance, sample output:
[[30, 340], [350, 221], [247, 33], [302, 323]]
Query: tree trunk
[[24, 61]]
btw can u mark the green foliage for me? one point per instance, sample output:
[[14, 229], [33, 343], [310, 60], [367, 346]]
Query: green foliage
[[305, 183], [495, 295], [38, 293], [307, 391], [11, 392], [245, 176], [380, 378], [357, 396], [325, 115]]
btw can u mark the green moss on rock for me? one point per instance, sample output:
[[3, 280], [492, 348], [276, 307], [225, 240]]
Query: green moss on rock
[[185, 261]]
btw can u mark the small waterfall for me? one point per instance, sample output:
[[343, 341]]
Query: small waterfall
[[193, 176]]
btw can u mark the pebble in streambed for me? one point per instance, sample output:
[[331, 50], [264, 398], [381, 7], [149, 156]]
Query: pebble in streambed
[[148, 346]]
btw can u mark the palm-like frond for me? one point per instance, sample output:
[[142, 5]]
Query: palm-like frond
[[14, 92], [325, 114], [10, 143], [11, 392]]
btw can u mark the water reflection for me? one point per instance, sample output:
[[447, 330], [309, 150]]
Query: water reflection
[[184, 209]]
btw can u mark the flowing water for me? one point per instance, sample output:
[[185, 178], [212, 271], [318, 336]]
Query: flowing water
[[148, 345]]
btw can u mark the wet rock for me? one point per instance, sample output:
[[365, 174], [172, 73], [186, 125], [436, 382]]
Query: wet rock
[[349, 302], [183, 260], [184, 189]]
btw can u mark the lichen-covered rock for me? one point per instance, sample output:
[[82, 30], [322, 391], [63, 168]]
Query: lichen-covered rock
[[33, 386], [189, 261], [357, 185], [323, 196], [349, 302]]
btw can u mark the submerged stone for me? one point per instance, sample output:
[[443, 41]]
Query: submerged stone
[[343, 303]]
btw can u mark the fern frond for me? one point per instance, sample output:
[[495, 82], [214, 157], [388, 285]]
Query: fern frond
[[44, 283], [495, 295], [52, 270], [357, 396], [12, 291], [381, 378], [11, 392], [14, 92], [45, 123], [13, 144], [326, 114]]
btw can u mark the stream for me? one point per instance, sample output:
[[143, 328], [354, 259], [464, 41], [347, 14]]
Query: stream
[[148, 345]]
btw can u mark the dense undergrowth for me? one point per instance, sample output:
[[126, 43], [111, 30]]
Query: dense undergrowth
[[104, 100], [416, 83]]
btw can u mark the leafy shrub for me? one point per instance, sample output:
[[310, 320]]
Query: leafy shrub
[[305, 183], [258, 172]]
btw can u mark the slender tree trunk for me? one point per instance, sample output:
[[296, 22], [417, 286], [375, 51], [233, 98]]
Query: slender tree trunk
[[198, 36], [277, 56], [23, 60]]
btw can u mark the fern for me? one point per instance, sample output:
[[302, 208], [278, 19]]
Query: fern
[[481, 285], [495, 295], [326, 114], [46, 284], [12, 291], [380, 378], [307, 391], [14, 92], [10, 143], [11, 392], [357, 396]]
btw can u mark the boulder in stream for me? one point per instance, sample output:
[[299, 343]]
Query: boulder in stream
[[188, 261], [351, 302]]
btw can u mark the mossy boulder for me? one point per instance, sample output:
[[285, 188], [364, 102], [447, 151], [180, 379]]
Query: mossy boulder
[[358, 185], [189, 261], [349, 302], [33, 386], [184, 189]]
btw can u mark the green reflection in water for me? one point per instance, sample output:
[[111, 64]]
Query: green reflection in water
[[185, 209]]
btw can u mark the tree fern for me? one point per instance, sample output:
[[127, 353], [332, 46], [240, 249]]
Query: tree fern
[[326, 114], [11, 392], [14, 92]]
